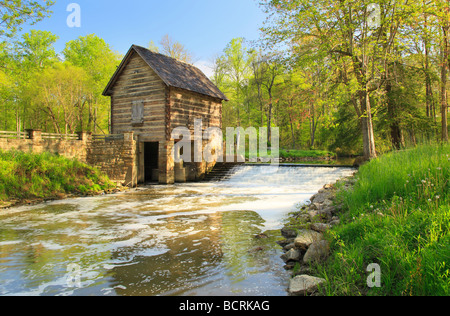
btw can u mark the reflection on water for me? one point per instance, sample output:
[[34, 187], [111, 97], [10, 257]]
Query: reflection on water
[[189, 239]]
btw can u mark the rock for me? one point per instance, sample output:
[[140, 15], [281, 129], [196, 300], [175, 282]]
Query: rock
[[4, 205], [306, 237], [320, 227], [317, 251], [261, 236], [326, 213], [314, 206], [292, 255], [327, 203], [335, 222], [304, 284], [302, 270], [290, 265], [323, 196], [283, 243], [312, 215], [288, 233], [304, 217], [289, 246]]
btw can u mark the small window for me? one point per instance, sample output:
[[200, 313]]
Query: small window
[[137, 115]]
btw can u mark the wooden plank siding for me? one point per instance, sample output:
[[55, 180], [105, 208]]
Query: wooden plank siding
[[186, 106], [151, 95], [138, 82], [165, 108]]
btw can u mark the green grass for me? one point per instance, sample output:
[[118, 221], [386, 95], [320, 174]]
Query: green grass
[[29, 176], [398, 216]]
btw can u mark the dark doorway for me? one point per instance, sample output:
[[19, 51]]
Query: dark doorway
[[151, 155]]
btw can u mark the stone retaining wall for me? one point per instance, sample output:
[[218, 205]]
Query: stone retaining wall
[[115, 156]]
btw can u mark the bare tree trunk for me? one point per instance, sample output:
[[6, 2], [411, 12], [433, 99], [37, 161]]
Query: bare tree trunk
[[6, 116], [312, 125], [396, 133], [17, 122], [429, 90], [90, 117], [291, 121], [95, 119], [444, 106], [54, 120], [444, 74], [313, 133], [261, 105], [269, 120], [367, 127], [293, 136]]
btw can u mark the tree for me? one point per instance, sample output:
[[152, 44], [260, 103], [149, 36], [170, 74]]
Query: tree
[[290, 96], [153, 47], [99, 61], [237, 70], [443, 13], [175, 49], [36, 50], [258, 75], [272, 70], [60, 92], [343, 32], [15, 13], [25, 59], [6, 100]]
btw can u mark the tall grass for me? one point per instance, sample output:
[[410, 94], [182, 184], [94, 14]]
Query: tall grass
[[398, 216], [28, 176]]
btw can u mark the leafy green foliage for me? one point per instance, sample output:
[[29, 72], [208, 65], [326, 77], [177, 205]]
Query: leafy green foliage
[[15, 13], [28, 176], [42, 92], [398, 217]]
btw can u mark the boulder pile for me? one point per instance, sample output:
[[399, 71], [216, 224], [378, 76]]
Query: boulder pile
[[304, 242]]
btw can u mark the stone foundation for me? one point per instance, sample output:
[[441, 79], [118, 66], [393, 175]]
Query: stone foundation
[[116, 155]]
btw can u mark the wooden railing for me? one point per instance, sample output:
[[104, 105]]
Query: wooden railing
[[31, 134], [108, 138], [14, 135], [60, 136]]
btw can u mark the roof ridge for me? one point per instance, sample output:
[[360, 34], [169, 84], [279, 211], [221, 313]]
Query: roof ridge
[[173, 72], [164, 55]]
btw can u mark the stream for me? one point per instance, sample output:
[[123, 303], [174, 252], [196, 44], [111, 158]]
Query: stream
[[193, 239]]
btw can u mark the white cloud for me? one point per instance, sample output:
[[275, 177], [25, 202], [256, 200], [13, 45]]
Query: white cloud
[[206, 67]]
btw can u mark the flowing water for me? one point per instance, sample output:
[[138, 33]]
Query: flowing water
[[186, 239]]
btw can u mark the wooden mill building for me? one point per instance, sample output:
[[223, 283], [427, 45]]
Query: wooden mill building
[[152, 94]]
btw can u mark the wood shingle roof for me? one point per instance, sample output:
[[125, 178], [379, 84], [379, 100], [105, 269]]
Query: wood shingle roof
[[172, 72]]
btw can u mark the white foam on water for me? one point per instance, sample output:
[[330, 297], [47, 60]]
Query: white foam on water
[[140, 223]]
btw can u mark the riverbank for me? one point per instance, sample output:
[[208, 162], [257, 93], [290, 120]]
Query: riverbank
[[35, 178], [305, 237], [393, 216], [308, 157]]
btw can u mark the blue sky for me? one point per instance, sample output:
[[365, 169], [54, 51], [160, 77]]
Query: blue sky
[[204, 26]]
